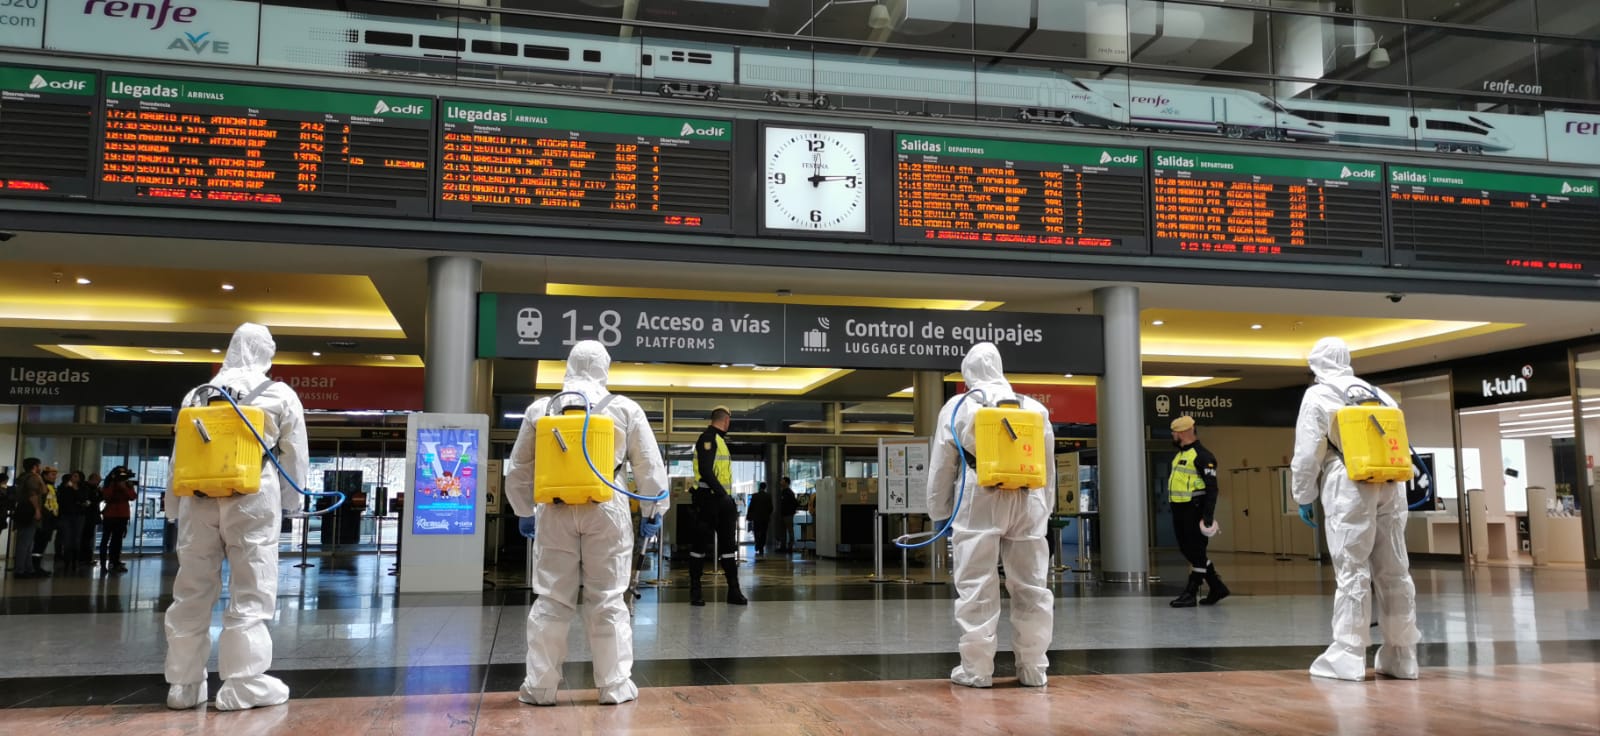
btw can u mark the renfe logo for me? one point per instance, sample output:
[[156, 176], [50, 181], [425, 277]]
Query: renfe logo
[[1578, 127], [158, 15], [689, 129], [1157, 100], [1509, 386], [1107, 158]]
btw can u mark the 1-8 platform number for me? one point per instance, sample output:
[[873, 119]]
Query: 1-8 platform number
[[609, 335]]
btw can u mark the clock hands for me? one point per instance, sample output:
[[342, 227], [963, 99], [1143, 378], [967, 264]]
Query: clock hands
[[818, 179]]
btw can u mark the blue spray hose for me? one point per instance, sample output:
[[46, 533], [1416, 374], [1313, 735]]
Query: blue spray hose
[[272, 455], [584, 442], [903, 542]]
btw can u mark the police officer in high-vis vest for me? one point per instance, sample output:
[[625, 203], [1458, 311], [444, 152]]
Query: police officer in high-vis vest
[[1192, 488], [715, 513]]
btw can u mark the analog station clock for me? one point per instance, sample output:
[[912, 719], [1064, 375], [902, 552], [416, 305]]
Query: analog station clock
[[816, 180]]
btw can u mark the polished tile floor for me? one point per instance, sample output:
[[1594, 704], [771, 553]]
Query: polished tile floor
[[823, 650]]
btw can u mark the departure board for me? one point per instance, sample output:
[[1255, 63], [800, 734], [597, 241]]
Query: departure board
[[201, 143], [46, 132], [1016, 194], [552, 165], [1267, 209], [1492, 221]]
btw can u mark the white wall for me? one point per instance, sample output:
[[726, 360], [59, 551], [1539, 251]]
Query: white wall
[[1482, 432]]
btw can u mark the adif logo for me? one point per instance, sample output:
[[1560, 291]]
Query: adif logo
[[689, 129], [39, 82], [384, 108], [1348, 173], [1509, 386], [1568, 188], [1107, 158]]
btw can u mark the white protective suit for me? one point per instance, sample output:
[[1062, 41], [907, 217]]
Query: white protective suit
[[591, 544], [992, 526], [244, 530], [1366, 528]]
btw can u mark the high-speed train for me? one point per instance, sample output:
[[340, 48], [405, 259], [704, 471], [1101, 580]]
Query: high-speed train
[[328, 40]]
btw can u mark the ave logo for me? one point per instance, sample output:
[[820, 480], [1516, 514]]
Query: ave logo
[[200, 44]]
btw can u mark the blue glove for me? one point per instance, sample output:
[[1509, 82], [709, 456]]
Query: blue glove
[[649, 527], [1308, 515], [525, 525]]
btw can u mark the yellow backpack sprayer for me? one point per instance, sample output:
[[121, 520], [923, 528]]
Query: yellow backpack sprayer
[[566, 477], [1372, 438], [219, 452]]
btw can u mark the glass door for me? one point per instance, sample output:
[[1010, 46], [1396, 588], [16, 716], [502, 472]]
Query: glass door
[[1575, 503]]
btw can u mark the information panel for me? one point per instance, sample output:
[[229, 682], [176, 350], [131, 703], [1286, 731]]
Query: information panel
[[551, 165], [46, 132], [1490, 221], [201, 143], [1010, 193], [1260, 208]]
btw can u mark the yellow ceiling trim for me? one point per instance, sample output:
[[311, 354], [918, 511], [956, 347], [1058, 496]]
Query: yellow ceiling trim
[[624, 292], [1284, 340], [203, 355], [662, 378]]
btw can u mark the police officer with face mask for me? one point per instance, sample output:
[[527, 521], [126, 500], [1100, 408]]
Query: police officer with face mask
[[1192, 489]]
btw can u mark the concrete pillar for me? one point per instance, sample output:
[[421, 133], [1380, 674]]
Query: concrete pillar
[[1124, 502], [450, 376], [927, 399]]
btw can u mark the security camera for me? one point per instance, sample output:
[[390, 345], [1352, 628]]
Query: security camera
[[1396, 298], [6, 235]]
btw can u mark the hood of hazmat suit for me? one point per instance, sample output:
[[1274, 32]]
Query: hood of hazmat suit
[[991, 526], [588, 543], [244, 530], [1365, 525]]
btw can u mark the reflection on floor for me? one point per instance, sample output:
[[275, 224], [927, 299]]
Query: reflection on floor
[[821, 649]]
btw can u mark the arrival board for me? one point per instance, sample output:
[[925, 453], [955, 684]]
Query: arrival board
[[46, 132], [553, 165], [1267, 209], [1015, 194], [201, 143], [1491, 221]]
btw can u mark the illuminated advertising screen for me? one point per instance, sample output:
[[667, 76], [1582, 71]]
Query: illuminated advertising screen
[[536, 164], [269, 148], [1494, 221], [446, 481], [1260, 208], [1013, 194]]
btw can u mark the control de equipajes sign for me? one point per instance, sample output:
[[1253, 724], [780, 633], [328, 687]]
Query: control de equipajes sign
[[530, 326]]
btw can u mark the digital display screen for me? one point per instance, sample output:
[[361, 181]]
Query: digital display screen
[[446, 487], [1490, 221], [552, 165], [1267, 209], [1016, 194], [201, 143], [47, 132]]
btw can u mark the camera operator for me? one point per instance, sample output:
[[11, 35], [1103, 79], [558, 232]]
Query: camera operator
[[120, 490]]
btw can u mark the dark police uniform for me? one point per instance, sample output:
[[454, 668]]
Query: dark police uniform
[[1192, 489], [715, 514]]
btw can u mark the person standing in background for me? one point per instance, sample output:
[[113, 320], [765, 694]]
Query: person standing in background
[[788, 505], [75, 499], [25, 520], [119, 493], [49, 517], [1192, 489], [91, 519], [760, 517]]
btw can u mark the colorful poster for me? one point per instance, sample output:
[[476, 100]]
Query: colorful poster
[[446, 481]]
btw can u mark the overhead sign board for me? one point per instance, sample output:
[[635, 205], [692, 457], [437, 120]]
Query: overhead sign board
[[98, 383], [47, 131], [1503, 378], [531, 326], [1222, 408], [1494, 221]]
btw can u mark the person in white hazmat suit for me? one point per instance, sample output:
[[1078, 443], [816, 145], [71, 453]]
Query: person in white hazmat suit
[[589, 544], [994, 525], [244, 530], [1366, 530]]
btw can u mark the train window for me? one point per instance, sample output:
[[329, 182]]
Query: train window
[[1080, 85], [499, 48], [1349, 118], [1480, 122], [442, 43], [385, 38], [1454, 127], [591, 56], [699, 57], [553, 53], [646, 59]]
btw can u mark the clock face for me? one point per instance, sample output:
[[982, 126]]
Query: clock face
[[816, 180]]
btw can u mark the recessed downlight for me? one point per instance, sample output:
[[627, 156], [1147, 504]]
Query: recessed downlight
[[216, 350], [84, 281], [227, 287], [164, 351], [386, 357], [1157, 323], [1255, 327], [316, 354]]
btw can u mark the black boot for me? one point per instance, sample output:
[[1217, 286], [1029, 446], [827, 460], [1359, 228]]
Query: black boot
[[697, 567], [730, 570], [1187, 599], [1215, 590]]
